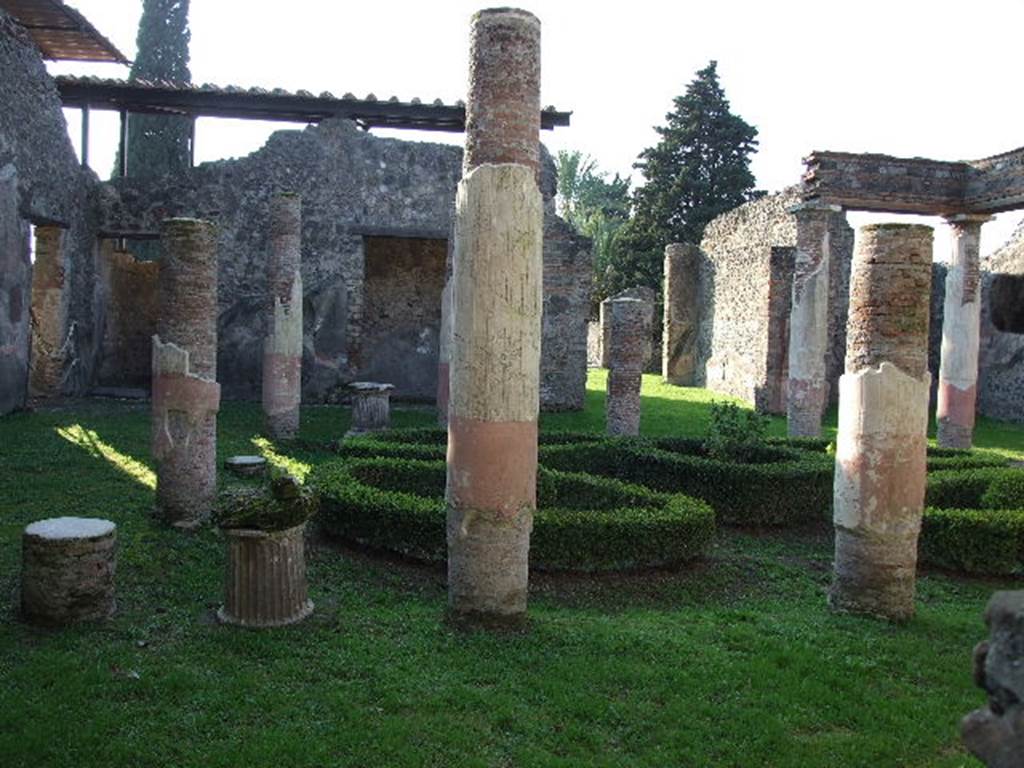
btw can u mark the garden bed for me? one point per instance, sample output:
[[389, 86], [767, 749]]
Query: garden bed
[[583, 523]]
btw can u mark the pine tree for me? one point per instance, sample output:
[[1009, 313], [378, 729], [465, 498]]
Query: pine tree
[[699, 169], [159, 144]]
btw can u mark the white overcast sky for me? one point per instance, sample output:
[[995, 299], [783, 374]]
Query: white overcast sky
[[927, 78]]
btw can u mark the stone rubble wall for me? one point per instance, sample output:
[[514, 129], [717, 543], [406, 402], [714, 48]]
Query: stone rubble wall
[[41, 182], [354, 186], [1001, 363], [128, 290], [745, 299]]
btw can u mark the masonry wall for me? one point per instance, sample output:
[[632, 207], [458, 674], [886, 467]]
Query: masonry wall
[[41, 182], [746, 295], [127, 288], [355, 188], [1001, 381]]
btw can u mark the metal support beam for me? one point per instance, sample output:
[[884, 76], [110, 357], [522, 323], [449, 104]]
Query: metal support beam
[[85, 136], [122, 170]]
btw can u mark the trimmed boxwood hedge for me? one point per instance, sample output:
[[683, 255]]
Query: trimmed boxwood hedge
[[974, 520], [431, 443], [787, 486], [582, 523]]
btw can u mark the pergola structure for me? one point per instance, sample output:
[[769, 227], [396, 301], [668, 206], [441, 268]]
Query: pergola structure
[[966, 194], [192, 101], [62, 33]]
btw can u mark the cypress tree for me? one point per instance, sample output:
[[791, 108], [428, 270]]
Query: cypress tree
[[699, 169], [159, 144]]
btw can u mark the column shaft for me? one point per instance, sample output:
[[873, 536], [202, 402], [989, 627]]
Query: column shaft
[[681, 314], [282, 349], [496, 307], [808, 323], [630, 329], [961, 324], [883, 419], [186, 396]]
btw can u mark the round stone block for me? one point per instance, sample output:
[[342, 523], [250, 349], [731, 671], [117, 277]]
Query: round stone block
[[246, 465], [68, 566]]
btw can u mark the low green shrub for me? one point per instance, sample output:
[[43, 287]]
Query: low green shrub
[[974, 520], [953, 458], [794, 489], [431, 443], [582, 523], [733, 432]]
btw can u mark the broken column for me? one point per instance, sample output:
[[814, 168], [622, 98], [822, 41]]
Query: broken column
[[995, 734], [47, 313], [883, 421], [808, 323], [681, 314], [496, 311], [961, 324], [371, 406], [186, 395], [630, 328], [604, 322], [282, 349]]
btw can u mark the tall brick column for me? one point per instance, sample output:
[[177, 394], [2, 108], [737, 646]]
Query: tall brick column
[[282, 349], [808, 320], [681, 314], [883, 422], [47, 313], [496, 305], [961, 328], [186, 395], [630, 328], [605, 324]]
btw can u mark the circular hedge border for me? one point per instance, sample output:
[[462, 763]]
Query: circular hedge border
[[583, 523], [974, 520]]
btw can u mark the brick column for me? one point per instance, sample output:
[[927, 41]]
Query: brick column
[[282, 349], [961, 324], [681, 314], [883, 421], [496, 305], [47, 313], [630, 329], [808, 320], [186, 395]]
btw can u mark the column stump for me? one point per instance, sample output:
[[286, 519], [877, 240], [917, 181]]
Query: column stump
[[371, 407], [68, 566], [265, 584]]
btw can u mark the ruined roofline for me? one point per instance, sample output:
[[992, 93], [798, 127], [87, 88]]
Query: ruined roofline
[[207, 100]]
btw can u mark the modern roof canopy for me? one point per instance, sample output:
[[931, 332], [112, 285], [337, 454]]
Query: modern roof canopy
[[61, 32], [161, 97]]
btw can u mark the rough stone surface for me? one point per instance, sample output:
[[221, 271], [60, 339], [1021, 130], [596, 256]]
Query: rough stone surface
[[745, 299], [129, 298], [282, 349], [630, 334], [681, 314], [48, 313], [651, 353], [186, 396], [883, 419], [68, 567], [961, 317], [809, 320], [41, 183], [1001, 379], [995, 734], [265, 584]]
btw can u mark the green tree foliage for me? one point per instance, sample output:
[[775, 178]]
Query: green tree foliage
[[597, 206], [699, 169], [158, 144]]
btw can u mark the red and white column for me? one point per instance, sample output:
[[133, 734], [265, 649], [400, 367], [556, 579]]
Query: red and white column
[[496, 330]]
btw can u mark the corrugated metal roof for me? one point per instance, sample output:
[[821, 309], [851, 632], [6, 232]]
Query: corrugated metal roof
[[162, 97], [61, 32]]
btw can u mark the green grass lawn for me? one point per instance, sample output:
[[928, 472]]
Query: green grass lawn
[[735, 662]]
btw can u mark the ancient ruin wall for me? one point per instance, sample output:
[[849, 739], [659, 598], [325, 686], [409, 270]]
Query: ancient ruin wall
[[41, 182], [1001, 357], [354, 186], [745, 299], [128, 288]]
